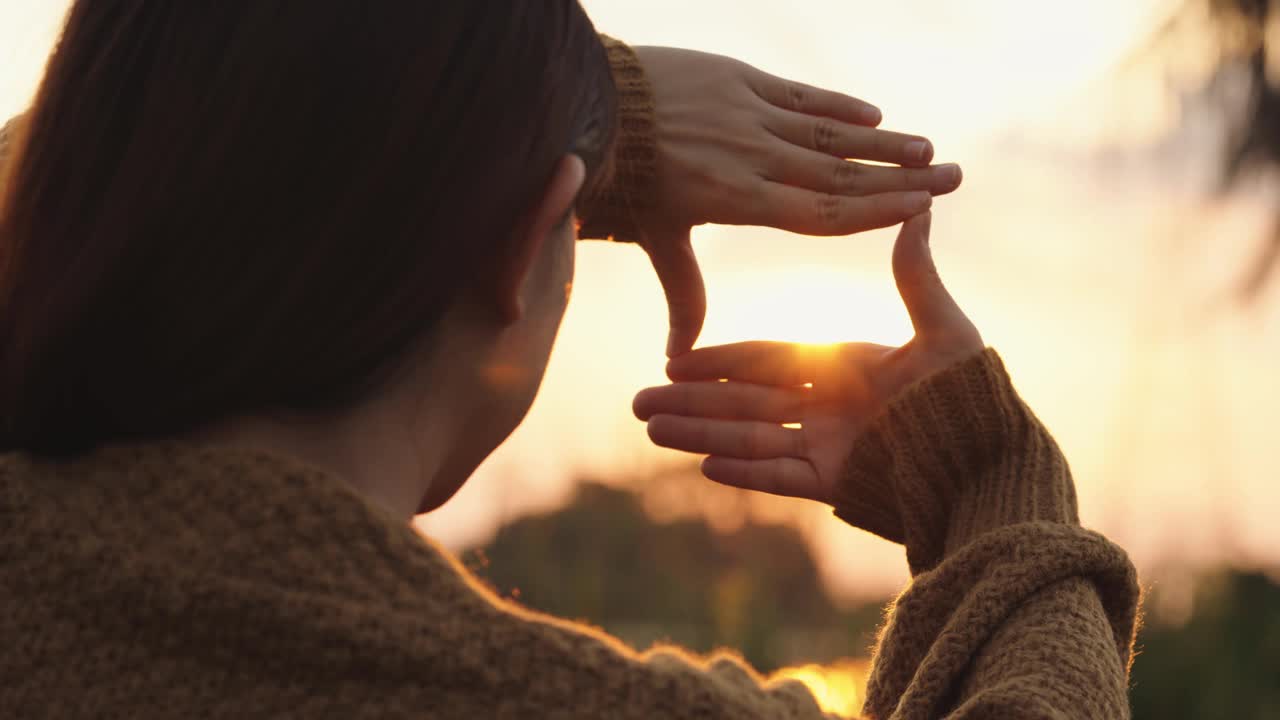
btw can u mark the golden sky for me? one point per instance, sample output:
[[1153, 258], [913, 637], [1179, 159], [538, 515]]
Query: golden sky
[[1094, 270]]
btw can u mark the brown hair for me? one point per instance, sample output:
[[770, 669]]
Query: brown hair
[[230, 207]]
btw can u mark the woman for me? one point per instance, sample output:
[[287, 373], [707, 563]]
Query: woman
[[275, 279]]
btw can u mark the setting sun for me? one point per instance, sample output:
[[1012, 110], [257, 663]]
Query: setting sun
[[807, 305]]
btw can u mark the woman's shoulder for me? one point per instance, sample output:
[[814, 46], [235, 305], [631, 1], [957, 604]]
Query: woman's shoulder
[[231, 516]]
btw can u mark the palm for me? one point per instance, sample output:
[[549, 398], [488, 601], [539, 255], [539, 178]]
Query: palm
[[829, 432], [848, 391]]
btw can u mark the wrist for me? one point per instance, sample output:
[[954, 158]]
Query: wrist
[[952, 457], [615, 210]]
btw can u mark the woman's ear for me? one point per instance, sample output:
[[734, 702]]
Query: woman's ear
[[547, 216]]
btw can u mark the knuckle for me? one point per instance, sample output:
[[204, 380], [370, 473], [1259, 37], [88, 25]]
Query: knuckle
[[797, 96], [824, 135], [845, 177], [826, 210], [926, 275]]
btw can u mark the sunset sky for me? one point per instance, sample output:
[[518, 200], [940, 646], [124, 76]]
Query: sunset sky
[[1083, 253]]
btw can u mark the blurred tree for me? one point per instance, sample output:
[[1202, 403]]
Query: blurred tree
[[1222, 662], [755, 588], [1223, 659], [1244, 84], [603, 560]]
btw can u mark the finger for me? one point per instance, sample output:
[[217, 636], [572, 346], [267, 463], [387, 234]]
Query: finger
[[810, 212], [842, 140], [807, 169], [677, 267], [928, 303], [723, 400], [731, 438], [790, 477], [800, 98], [761, 362]]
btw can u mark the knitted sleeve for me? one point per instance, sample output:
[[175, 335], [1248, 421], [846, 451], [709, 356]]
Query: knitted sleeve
[[614, 211], [1015, 611]]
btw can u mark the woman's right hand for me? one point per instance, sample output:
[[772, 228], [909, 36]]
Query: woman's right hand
[[730, 402], [738, 146]]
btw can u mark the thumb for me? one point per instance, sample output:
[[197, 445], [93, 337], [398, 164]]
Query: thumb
[[927, 301], [672, 256]]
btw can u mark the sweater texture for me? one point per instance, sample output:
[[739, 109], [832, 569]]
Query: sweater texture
[[164, 580]]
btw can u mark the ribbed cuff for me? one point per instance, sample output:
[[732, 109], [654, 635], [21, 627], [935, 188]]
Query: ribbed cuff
[[1013, 593], [615, 211], [953, 457]]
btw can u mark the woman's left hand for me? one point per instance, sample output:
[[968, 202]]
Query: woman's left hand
[[737, 146], [730, 402]]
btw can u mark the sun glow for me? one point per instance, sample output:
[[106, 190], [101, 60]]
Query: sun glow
[[806, 305], [838, 688]]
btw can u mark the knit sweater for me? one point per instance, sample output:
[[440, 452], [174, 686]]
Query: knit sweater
[[172, 581], [165, 580]]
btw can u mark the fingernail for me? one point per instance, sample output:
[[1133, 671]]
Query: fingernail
[[872, 115], [671, 345], [919, 151], [917, 202], [951, 174]]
